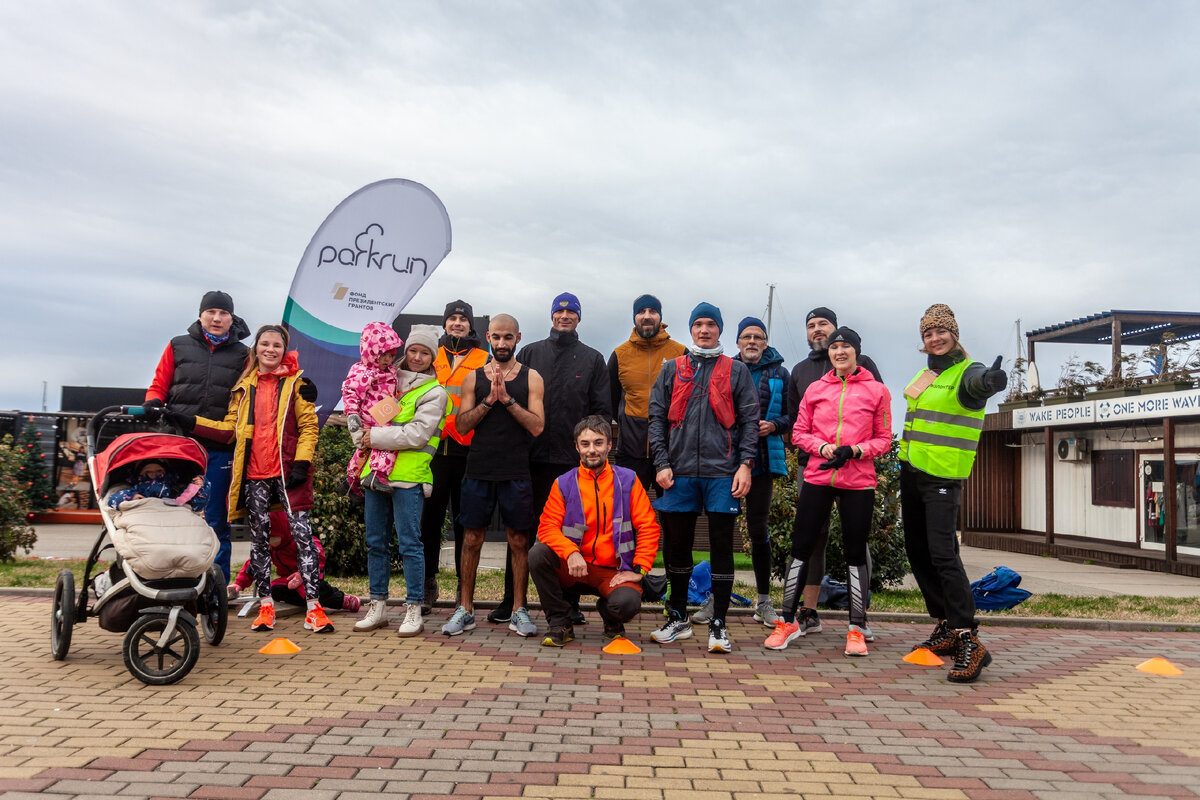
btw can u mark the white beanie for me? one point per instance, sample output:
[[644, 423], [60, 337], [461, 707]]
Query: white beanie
[[426, 335]]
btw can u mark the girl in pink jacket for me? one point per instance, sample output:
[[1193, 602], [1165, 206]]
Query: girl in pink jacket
[[371, 380], [845, 418]]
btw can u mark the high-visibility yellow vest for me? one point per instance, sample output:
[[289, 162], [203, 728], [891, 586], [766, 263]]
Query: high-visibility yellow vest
[[412, 466], [940, 435]]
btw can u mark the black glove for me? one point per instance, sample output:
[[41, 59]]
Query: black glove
[[298, 475], [152, 410], [841, 454], [185, 422], [307, 390], [995, 378]]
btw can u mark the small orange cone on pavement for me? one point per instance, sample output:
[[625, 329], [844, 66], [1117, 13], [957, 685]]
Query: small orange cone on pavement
[[621, 647], [924, 657], [1159, 666], [280, 647]]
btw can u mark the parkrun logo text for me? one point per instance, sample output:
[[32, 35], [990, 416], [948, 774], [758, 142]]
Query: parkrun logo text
[[364, 254]]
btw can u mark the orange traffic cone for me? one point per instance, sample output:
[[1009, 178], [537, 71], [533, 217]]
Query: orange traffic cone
[[280, 647], [924, 657], [1159, 666], [622, 647]]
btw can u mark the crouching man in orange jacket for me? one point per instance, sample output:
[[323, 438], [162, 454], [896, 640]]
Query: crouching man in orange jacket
[[597, 535]]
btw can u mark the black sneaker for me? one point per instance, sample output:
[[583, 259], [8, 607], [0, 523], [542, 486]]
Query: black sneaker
[[577, 617], [942, 641], [809, 621], [613, 630], [500, 614], [558, 637]]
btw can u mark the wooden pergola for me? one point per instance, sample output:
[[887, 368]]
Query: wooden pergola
[[1119, 328]]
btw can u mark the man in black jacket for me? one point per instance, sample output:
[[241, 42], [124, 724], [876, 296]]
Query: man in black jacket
[[818, 324], [576, 386]]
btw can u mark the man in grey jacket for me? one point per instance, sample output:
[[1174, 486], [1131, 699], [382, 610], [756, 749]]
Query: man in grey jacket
[[703, 437]]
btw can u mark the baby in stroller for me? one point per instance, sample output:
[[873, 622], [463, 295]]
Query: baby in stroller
[[153, 480]]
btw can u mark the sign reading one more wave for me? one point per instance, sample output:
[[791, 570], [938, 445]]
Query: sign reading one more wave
[[366, 261]]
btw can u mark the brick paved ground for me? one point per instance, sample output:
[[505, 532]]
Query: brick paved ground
[[1060, 714]]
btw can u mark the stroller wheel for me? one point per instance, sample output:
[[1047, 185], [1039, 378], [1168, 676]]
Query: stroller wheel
[[214, 607], [62, 619], [156, 665]]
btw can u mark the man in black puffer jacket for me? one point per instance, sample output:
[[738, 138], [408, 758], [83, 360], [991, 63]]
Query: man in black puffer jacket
[[576, 383], [194, 377]]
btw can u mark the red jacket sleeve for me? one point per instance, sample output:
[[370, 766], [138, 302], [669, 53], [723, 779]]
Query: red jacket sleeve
[[164, 374], [646, 526], [550, 526]]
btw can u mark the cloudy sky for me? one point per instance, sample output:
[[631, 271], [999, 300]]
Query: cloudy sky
[[1033, 161]]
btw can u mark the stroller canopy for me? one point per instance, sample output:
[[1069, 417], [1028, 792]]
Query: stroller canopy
[[130, 448]]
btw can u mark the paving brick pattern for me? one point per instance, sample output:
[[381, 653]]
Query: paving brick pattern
[[1059, 714]]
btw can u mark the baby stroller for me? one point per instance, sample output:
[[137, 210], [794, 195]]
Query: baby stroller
[[163, 582]]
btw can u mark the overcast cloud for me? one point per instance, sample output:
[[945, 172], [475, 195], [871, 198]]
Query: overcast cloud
[[1014, 160]]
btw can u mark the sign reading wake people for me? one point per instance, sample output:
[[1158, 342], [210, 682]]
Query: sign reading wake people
[[364, 264], [1151, 406]]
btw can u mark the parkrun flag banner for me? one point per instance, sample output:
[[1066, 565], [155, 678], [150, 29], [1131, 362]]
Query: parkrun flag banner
[[365, 262]]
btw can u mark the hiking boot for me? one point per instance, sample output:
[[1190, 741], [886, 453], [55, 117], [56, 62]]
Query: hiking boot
[[376, 616], [809, 621], [942, 641], [521, 624], [705, 612], [613, 630], [970, 659], [718, 637], [265, 621], [413, 622], [764, 612], [785, 633], [351, 603], [316, 621], [558, 637], [856, 644], [676, 627], [500, 614], [460, 621]]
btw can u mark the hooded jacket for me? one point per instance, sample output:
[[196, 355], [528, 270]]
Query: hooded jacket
[[632, 369], [194, 377], [855, 410], [576, 385], [699, 446], [808, 371], [367, 382], [296, 430], [771, 379]]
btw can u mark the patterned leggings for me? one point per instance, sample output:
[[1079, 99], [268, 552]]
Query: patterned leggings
[[259, 494]]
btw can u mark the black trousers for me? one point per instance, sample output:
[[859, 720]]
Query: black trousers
[[758, 508], [555, 587], [929, 508], [448, 473]]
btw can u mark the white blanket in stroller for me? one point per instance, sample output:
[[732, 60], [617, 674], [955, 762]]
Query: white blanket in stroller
[[163, 541]]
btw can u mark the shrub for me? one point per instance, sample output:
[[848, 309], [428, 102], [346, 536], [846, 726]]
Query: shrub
[[889, 561], [15, 531]]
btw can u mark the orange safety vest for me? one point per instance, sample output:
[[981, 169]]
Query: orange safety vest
[[452, 377]]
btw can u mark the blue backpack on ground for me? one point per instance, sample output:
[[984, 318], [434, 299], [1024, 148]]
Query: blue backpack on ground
[[700, 587], [998, 590]]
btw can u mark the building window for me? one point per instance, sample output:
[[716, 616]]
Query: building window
[[1112, 478]]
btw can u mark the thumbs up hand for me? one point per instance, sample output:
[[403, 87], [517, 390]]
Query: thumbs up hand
[[995, 378]]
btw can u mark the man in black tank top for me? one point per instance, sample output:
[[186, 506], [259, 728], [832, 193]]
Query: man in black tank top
[[502, 403]]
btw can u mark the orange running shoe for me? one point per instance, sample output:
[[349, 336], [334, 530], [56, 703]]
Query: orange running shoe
[[785, 633], [265, 621], [316, 620], [856, 644]]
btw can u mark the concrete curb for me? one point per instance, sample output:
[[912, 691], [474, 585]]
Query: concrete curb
[[1065, 623]]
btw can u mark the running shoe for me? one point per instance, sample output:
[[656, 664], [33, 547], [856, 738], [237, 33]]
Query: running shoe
[[785, 633], [705, 612], [764, 612], [558, 637], [265, 621], [460, 621], [856, 644], [521, 624], [718, 638], [316, 621], [676, 627], [809, 621], [866, 632], [613, 630], [500, 614]]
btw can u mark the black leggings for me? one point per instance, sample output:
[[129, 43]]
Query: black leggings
[[855, 507], [448, 471], [758, 508], [679, 534]]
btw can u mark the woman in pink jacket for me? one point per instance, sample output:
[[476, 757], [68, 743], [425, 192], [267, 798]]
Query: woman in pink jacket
[[845, 418]]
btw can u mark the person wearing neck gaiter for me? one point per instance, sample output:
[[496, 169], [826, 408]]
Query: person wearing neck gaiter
[[703, 437], [937, 450], [195, 375]]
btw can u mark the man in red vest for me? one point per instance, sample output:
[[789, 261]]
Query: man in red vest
[[703, 436], [597, 535]]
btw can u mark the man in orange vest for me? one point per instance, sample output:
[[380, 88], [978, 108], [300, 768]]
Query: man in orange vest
[[597, 535], [459, 354]]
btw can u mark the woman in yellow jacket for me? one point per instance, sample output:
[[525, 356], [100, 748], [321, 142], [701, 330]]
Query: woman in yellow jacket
[[274, 431]]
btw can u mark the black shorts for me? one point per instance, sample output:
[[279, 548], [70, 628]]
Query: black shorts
[[479, 499]]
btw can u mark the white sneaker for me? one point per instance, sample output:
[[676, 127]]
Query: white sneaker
[[413, 622], [705, 613], [764, 612], [376, 616], [676, 627]]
